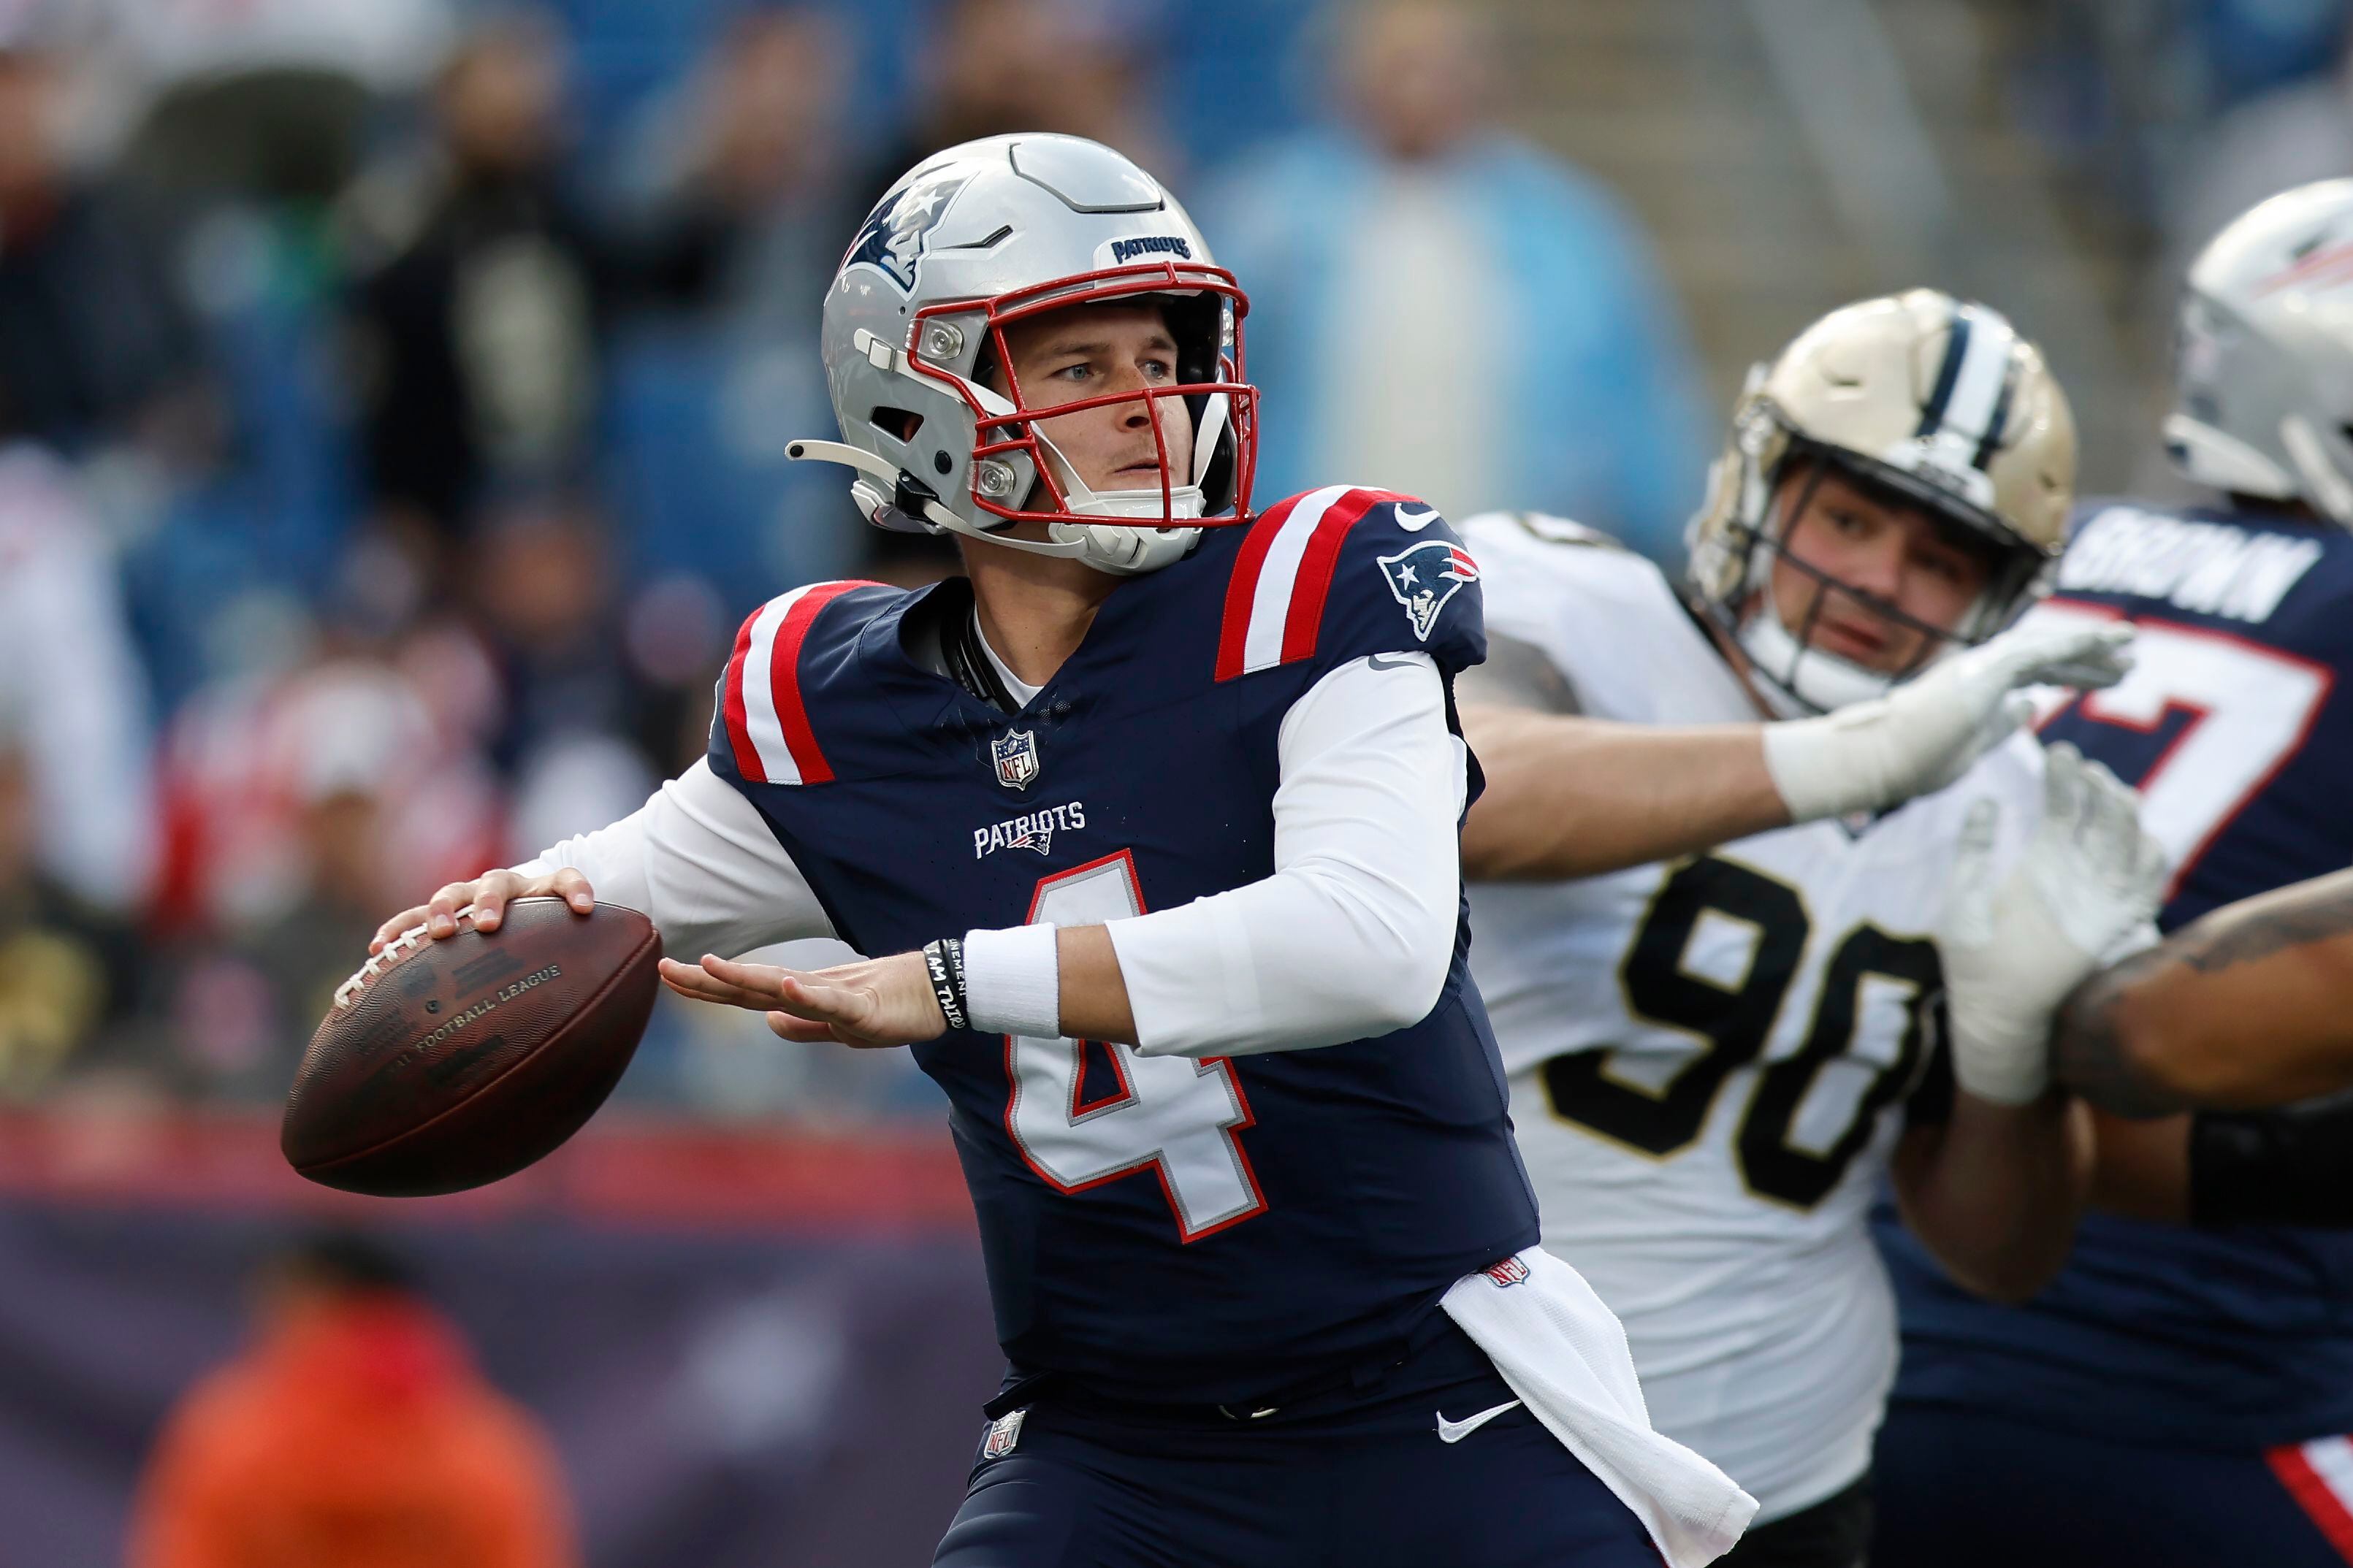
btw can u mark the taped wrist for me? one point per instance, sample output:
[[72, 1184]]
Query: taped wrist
[[2272, 1167], [1013, 981], [1819, 766]]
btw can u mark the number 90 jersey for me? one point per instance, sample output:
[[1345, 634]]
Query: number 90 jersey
[[1710, 1059]]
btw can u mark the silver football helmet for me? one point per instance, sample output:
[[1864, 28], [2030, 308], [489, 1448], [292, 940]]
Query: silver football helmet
[[2264, 353], [990, 233]]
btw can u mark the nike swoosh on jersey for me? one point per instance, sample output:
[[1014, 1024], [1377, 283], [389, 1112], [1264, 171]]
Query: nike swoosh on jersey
[[1413, 521], [1391, 661], [1455, 1431]]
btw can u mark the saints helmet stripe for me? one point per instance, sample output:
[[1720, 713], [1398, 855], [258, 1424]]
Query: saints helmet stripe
[[1985, 373], [1971, 397], [1990, 442], [1957, 349]]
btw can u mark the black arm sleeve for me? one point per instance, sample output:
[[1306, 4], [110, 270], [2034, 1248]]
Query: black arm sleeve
[[2293, 1166]]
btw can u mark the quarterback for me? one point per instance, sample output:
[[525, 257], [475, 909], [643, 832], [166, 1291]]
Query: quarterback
[[1149, 824], [2183, 1392], [1715, 1059]]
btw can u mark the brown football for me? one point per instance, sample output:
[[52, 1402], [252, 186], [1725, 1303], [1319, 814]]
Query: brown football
[[445, 1065]]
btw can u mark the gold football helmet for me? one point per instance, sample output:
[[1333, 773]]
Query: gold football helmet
[[1938, 401]]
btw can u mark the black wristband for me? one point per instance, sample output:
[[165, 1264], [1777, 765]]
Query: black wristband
[[945, 961], [2273, 1167]]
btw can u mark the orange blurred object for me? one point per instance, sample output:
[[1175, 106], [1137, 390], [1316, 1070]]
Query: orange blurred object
[[355, 1432]]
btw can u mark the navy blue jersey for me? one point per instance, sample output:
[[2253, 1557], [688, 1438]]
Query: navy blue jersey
[[2236, 724], [1158, 1227]]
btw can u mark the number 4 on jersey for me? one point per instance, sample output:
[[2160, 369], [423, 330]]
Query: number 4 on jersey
[[1083, 1113]]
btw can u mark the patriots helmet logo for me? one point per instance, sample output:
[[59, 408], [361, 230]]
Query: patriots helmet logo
[[1424, 576], [892, 241]]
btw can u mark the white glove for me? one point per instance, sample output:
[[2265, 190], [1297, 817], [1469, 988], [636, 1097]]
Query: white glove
[[2086, 887], [1925, 733]]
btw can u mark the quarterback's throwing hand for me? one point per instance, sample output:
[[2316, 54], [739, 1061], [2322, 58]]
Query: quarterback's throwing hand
[[2087, 885], [488, 895], [1923, 734], [873, 1003]]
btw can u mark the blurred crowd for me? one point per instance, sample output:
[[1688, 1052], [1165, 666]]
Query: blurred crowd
[[393, 402], [394, 399]]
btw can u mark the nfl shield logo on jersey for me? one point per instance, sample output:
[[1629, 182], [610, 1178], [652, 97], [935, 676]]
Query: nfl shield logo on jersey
[[1003, 1433], [1016, 758], [1424, 576], [1511, 1271]]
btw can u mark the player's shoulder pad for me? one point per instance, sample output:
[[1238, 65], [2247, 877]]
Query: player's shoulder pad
[[762, 731], [1543, 527], [1541, 573], [1336, 574]]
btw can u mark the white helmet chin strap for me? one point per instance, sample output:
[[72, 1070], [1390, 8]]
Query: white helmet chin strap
[[1799, 679], [884, 490]]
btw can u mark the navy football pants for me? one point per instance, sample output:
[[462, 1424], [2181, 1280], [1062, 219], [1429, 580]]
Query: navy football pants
[[1960, 1489], [1352, 1480]]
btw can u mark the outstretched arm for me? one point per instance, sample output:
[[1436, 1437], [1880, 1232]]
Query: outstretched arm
[[2250, 1007], [1575, 796], [1352, 936]]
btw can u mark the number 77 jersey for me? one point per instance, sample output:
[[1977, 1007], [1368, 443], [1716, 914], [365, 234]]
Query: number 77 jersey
[[2231, 723], [2236, 726], [1712, 1059]]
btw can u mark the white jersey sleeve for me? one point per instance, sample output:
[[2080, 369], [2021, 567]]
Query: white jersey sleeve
[[1710, 1059], [1354, 933], [698, 861]]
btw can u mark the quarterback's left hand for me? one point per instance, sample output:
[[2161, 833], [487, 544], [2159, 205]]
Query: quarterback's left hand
[[873, 1003], [2089, 881]]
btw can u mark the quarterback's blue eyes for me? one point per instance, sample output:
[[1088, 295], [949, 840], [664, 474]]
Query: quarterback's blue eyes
[[1087, 370]]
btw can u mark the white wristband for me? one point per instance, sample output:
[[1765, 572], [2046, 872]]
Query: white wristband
[[1817, 767], [1013, 981]]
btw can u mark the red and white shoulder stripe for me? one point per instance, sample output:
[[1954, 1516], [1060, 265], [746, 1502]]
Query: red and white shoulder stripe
[[767, 723], [1274, 603], [2319, 1476]]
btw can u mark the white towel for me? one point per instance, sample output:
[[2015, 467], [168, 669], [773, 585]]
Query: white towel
[[1566, 1356]]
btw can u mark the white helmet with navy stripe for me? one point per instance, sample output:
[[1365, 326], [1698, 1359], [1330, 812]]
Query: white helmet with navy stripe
[[1935, 399], [2264, 353], [992, 232]]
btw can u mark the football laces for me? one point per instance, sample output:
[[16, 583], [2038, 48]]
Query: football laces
[[395, 950]]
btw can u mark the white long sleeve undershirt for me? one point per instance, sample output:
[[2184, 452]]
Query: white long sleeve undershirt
[[1351, 937]]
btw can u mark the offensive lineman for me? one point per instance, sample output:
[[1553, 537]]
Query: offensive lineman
[[1712, 1059], [2181, 1394], [1234, 1276]]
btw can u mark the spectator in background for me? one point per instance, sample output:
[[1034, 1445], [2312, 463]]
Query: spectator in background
[[2289, 136], [1440, 309], [484, 290], [353, 1432], [577, 717], [341, 765], [65, 968], [95, 346], [73, 697], [991, 66]]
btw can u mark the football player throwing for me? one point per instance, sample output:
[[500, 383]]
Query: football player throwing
[[1150, 824]]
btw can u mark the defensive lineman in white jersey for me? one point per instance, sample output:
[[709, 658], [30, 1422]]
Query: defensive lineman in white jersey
[[1715, 1059]]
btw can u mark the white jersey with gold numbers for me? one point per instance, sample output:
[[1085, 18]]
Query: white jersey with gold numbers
[[1710, 1059]]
